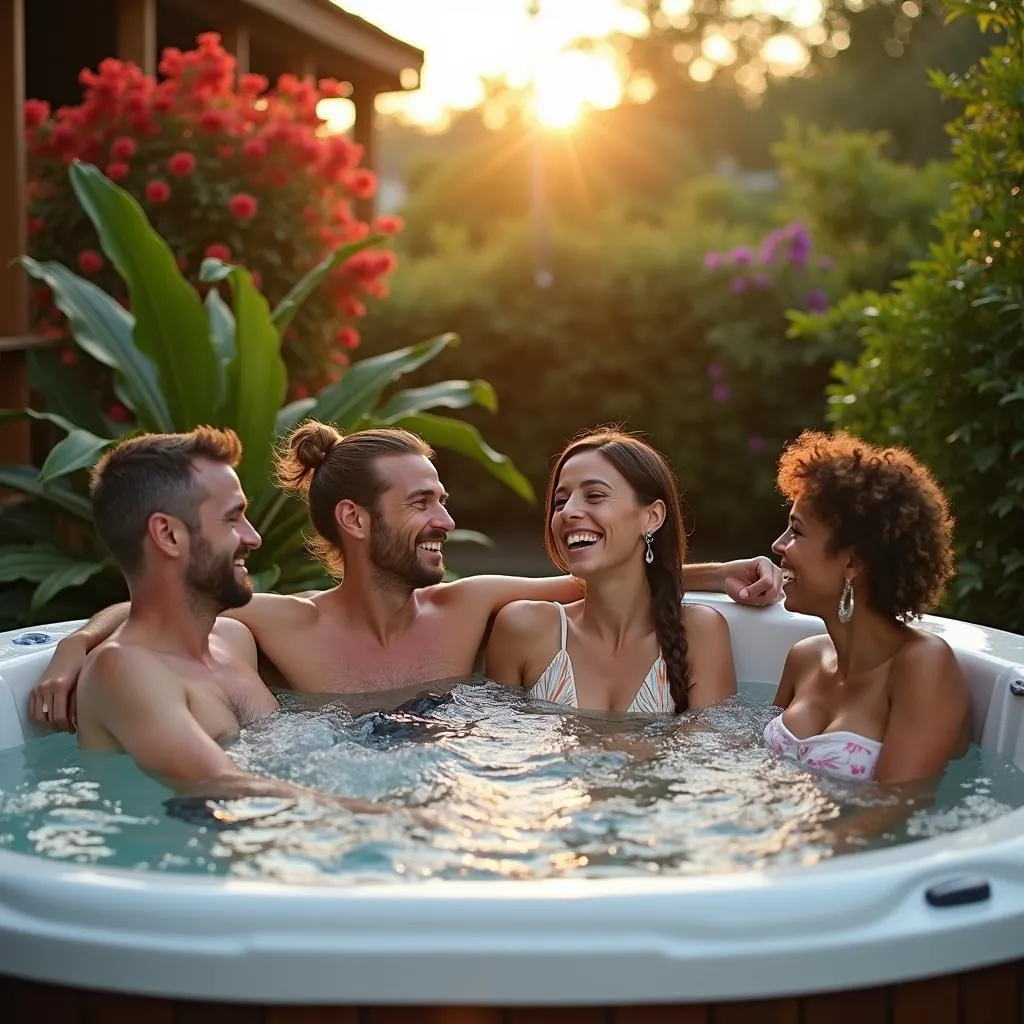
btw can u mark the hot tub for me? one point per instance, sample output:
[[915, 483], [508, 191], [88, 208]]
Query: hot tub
[[924, 933]]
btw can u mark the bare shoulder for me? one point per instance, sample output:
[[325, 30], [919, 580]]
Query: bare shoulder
[[115, 665], [927, 661], [809, 651], [275, 611], [236, 636], [525, 619], [701, 620]]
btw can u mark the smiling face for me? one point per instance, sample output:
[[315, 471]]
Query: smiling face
[[216, 570], [813, 574], [410, 524], [597, 521]]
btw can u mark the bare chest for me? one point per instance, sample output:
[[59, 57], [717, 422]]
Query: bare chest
[[330, 658], [609, 680], [824, 703], [227, 698]]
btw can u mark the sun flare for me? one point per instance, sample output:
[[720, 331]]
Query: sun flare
[[570, 83]]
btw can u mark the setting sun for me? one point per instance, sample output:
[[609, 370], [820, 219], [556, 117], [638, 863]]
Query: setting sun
[[570, 83]]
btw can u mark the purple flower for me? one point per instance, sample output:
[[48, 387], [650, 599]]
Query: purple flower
[[816, 301], [756, 444], [742, 256], [799, 244], [769, 245], [713, 260], [826, 263], [721, 394], [738, 286], [761, 281], [716, 371]]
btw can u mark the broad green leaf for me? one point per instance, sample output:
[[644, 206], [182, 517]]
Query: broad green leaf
[[170, 324], [290, 415], [61, 387], [33, 562], [79, 450], [70, 575], [104, 329], [286, 309], [257, 377], [355, 395], [25, 479], [454, 435], [264, 581], [448, 394], [222, 333]]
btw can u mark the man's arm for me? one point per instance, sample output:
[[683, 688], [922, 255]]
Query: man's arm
[[144, 708], [754, 581], [52, 700]]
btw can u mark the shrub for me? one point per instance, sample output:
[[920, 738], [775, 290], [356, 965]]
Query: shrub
[[241, 172], [942, 366], [178, 362]]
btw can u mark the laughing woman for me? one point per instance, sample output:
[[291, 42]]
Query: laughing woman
[[867, 549], [613, 521]]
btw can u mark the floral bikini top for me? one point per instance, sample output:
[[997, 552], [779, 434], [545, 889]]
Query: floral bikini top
[[846, 755]]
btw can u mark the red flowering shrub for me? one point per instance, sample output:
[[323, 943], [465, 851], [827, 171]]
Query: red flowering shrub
[[238, 171]]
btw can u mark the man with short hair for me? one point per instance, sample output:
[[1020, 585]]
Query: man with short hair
[[176, 680], [378, 508]]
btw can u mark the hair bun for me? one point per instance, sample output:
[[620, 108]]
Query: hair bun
[[313, 442]]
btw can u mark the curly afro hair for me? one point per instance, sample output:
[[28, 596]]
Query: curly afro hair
[[885, 506]]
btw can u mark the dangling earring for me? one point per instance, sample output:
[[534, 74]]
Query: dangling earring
[[845, 609], [649, 553]]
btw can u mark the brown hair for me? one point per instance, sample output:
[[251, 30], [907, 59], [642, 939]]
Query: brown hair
[[884, 505], [651, 477], [148, 474], [321, 465]]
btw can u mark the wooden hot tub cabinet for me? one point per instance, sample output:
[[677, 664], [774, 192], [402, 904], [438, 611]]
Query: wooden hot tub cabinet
[[992, 995]]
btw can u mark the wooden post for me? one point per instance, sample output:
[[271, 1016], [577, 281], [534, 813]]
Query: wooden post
[[14, 437], [235, 39], [364, 133], [136, 33]]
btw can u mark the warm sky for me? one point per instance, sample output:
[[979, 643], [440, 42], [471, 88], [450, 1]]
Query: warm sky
[[465, 39]]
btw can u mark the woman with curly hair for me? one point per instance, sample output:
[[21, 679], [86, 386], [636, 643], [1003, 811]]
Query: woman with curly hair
[[867, 549], [613, 521]]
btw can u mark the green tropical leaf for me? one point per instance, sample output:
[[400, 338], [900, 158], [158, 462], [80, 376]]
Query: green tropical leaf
[[355, 395], [25, 479], [265, 580], [454, 435], [289, 416], [469, 537], [222, 333], [257, 379], [79, 450], [103, 328], [62, 391], [70, 575], [286, 309], [448, 394], [170, 324], [33, 562]]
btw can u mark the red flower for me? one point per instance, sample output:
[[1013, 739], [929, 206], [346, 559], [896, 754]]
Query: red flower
[[362, 184], [36, 113], [181, 164], [242, 205], [218, 251], [301, 391], [348, 337], [254, 149], [352, 307], [157, 191], [341, 358], [213, 121], [117, 171], [90, 262], [35, 225], [226, 152], [257, 280], [118, 413], [123, 148], [69, 357], [388, 224], [181, 263], [252, 85], [330, 88]]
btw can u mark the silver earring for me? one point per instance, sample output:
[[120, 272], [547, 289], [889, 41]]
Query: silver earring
[[649, 553], [845, 610]]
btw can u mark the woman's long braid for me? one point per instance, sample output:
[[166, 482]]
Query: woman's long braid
[[666, 583]]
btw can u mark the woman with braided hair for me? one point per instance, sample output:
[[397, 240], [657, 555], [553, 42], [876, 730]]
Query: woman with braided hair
[[630, 645]]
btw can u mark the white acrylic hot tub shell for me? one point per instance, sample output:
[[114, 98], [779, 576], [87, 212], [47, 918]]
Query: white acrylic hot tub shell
[[854, 921]]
